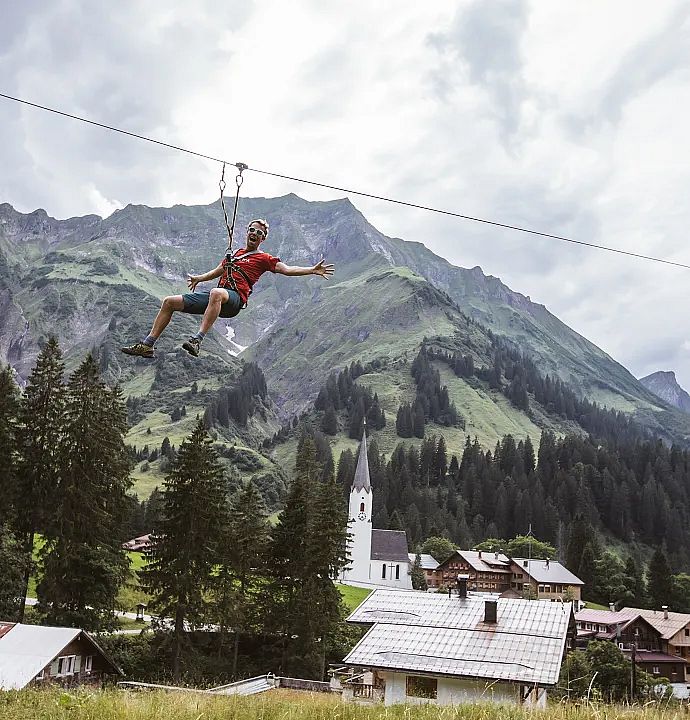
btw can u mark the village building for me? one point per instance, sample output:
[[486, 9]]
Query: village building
[[486, 571], [429, 565], [376, 557], [661, 639], [34, 654], [138, 544], [544, 580], [447, 649]]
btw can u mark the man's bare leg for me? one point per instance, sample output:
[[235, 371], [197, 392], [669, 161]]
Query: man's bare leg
[[170, 304], [217, 297], [145, 348]]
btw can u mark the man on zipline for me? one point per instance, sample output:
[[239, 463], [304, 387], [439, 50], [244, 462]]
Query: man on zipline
[[237, 274]]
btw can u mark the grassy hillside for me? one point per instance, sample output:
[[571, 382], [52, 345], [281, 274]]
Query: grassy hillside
[[283, 705]]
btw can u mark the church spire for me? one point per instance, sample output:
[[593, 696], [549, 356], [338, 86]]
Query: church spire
[[361, 481]]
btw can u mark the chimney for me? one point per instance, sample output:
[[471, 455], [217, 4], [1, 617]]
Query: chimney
[[462, 586], [665, 609], [480, 554], [612, 607], [547, 563], [491, 612]]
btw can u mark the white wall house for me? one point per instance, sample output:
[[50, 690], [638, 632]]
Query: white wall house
[[377, 557], [433, 648]]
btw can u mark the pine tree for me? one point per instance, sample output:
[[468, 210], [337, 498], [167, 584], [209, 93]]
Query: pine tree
[[186, 543], [14, 561], [9, 409], [417, 574], [289, 614], [237, 584], [659, 580], [327, 556], [82, 560], [40, 437], [418, 420], [329, 422]]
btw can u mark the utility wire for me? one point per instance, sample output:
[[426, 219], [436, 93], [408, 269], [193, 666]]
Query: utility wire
[[349, 191]]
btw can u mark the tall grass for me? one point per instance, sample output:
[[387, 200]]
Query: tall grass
[[284, 705]]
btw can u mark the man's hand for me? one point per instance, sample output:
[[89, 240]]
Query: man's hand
[[193, 281], [325, 270]]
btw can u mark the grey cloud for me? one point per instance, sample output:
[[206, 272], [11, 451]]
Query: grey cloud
[[659, 55], [486, 39], [111, 67]]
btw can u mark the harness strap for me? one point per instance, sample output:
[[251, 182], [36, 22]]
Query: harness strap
[[231, 266]]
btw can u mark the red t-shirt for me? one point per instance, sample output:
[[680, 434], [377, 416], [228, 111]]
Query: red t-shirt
[[253, 267]]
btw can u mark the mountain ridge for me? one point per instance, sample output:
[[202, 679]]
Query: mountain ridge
[[664, 384], [73, 276]]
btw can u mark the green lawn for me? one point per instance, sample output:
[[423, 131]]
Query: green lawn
[[353, 596], [595, 606]]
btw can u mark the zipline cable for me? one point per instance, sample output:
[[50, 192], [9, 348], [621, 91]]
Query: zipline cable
[[349, 191]]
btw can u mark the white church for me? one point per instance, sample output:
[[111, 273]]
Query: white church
[[378, 558]]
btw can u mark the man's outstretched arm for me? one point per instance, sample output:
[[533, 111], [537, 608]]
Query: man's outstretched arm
[[194, 280], [325, 270]]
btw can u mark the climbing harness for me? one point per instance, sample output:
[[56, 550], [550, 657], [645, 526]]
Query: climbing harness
[[230, 262]]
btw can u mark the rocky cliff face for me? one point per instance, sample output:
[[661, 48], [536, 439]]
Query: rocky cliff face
[[664, 385]]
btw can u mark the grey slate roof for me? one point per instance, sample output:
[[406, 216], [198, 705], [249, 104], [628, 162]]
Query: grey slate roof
[[432, 633], [389, 545], [362, 480], [554, 572], [428, 561]]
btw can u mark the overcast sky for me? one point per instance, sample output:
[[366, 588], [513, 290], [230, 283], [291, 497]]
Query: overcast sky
[[566, 117]]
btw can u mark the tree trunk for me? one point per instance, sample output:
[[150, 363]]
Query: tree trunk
[[177, 652], [235, 653], [27, 578]]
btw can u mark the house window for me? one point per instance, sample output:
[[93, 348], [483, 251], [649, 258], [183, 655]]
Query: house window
[[397, 572], [88, 663], [66, 665], [687, 632], [655, 670], [383, 571], [421, 687], [361, 507], [41, 675]]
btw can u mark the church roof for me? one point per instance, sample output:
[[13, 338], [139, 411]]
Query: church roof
[[389, 545], [361, 481]]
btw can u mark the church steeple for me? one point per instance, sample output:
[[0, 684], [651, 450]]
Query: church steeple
[[362, 481]]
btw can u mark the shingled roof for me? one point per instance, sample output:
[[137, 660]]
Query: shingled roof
[[440, 635], [389, 545]]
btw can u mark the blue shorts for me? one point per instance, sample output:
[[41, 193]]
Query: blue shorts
[[196, 303]]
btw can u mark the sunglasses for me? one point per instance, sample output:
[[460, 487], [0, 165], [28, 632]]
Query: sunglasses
[[256, 231]]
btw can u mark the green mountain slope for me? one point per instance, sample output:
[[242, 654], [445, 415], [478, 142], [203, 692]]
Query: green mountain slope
[[97, 283]]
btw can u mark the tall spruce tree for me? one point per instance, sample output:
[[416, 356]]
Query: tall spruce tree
[[238, 583], [40, 438], [308, 548], [83, 563], [14, 559], [9, 409], [186, 543], [659, 580], [288, 613]]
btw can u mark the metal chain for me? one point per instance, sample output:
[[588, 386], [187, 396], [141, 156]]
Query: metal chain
[[238, 181]]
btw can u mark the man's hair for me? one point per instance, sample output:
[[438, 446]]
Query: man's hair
[[260, 221]]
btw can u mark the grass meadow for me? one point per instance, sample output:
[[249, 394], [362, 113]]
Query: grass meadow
[[54, 704]]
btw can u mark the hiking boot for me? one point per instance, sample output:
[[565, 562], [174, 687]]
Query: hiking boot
[[140, 350], [192, 346]]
